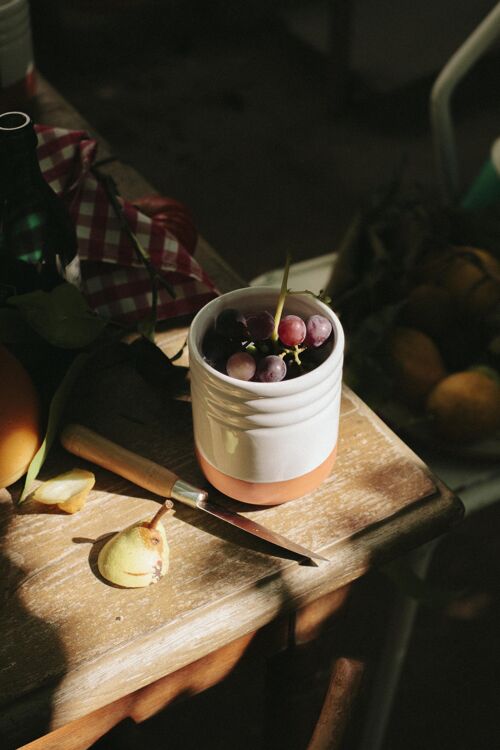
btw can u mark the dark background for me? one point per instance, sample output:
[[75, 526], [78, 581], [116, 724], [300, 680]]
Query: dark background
[[234, 108]]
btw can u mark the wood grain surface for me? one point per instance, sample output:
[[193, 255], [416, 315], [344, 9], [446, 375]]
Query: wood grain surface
[[70, 644], [85, 643]]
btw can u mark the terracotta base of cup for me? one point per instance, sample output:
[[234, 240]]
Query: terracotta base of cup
[[267, 493]]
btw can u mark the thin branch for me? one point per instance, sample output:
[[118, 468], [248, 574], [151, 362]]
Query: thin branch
[[112, 193]]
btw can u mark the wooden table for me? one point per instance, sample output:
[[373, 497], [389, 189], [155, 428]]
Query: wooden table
[[78, 655]]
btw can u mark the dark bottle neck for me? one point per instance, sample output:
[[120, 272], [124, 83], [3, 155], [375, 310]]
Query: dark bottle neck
[[19, 174], [35, 226], [19, 167]]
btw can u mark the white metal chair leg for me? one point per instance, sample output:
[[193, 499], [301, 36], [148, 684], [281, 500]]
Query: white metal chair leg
[[399, 631], [386, 680], [455, 69]]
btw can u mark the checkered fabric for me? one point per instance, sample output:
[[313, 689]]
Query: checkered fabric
[[115, 282]]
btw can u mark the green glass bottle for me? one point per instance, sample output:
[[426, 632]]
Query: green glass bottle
[[38, 245]]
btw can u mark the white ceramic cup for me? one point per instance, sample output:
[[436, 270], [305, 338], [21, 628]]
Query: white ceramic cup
[[16, 49], [265, 443]]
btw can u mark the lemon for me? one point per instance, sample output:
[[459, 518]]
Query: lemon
[[416, 362], [465, 406]]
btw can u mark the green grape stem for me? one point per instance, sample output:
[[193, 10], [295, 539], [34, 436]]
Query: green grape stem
[[281, 299], [295, 352]]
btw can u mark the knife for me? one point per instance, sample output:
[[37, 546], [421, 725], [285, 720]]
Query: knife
[[85, 443]]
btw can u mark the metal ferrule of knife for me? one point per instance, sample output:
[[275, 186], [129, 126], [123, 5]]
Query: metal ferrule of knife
[[188, 494]]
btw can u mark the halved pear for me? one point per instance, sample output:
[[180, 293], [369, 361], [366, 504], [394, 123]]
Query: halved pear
[[68, 491], [138, 555]]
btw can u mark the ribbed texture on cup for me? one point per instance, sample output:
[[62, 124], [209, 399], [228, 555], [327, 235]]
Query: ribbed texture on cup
[[265, 432], [240, 408]]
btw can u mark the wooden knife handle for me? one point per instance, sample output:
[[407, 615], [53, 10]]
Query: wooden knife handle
[[88, 444]]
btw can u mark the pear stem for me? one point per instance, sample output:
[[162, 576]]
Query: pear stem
[[167, 505]]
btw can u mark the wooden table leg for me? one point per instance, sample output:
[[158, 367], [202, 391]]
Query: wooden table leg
[[338, 705], [298, 678], [188, 681]]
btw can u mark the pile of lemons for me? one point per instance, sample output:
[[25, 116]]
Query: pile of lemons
[[436, 351]]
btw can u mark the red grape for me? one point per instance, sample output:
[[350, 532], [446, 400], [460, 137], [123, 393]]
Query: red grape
[[226, 346], [241, 365], [292, 330], [318, 330], [271, 369]]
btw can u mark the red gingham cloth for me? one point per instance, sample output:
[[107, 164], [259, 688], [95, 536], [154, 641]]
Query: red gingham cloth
[[115, 283]]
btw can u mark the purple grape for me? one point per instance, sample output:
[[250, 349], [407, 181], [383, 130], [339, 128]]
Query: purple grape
[[292, 330], [231, 324], [318, 329], [241, 365], [260, 325], [216, 349], [271, 369]]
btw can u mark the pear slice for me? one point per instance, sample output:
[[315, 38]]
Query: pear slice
[[68, 491], [138, 555]]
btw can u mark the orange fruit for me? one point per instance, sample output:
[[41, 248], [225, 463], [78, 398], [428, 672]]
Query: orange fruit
[[417, 364], [471, 275], [465, 406], [20, 419]]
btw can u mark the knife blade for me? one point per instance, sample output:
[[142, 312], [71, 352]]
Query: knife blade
[[87, 444], [252, 527]]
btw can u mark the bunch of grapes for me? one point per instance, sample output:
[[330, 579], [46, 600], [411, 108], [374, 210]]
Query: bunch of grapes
[[253, 347]]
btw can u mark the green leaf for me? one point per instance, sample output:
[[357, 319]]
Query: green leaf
[[61, 316], [57, 406]]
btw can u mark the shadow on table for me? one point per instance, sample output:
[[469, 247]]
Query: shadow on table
[[453, 651], [267, 702], [29, 646], [256, 698]]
